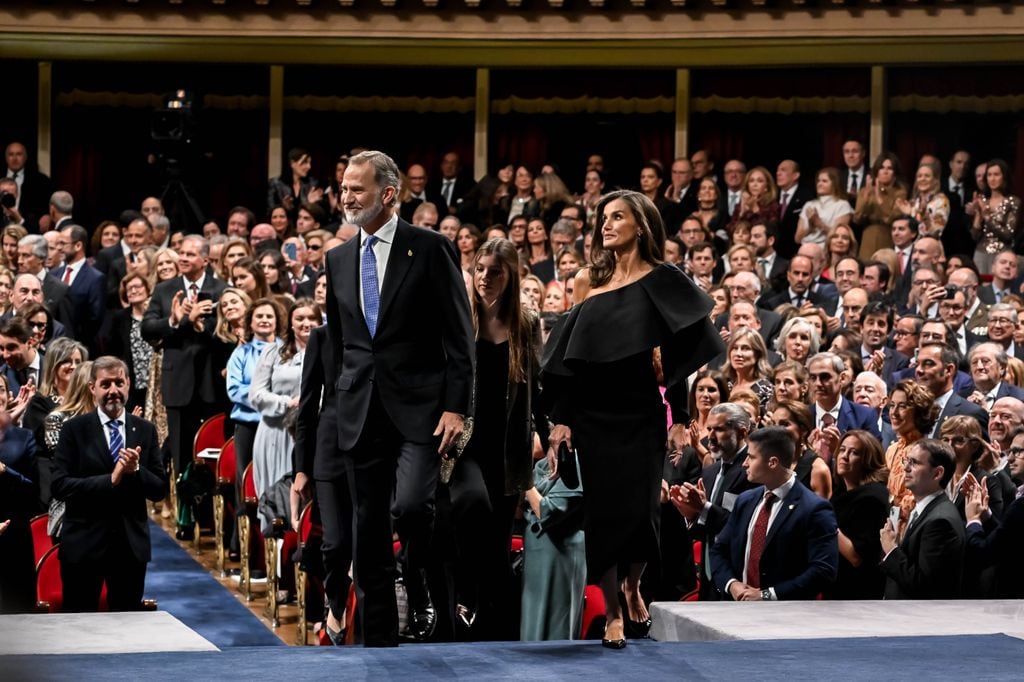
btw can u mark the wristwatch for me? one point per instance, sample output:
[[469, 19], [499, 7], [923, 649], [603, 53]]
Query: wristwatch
[[766, 594]]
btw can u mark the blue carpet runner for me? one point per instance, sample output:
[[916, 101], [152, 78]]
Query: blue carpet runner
[[983, 657], [184, 589]]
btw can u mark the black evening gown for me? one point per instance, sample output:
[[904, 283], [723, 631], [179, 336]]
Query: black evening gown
[[601, 382]]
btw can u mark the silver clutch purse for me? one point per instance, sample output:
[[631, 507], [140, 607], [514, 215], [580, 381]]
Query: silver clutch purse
[[448, 463]]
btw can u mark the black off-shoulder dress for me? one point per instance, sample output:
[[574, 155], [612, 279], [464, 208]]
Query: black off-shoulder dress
[[599, 379]]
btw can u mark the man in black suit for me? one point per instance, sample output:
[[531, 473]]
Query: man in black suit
[[452, 187], [400, 324], [682, 193], [792, 198], [316, 459], [746, 286], [707, 505], [85, 285], [1000, 543], [61, 206], [781, 541], [106, 465], [876, 322], [771, 265], [953, 311], [32, 253], [416, 176], [180, 319], [742, 314], [34, 188], [1004, 274], [956, 236], [22, 362], [855, 171], [799, 277], [137, 235], [936, 369], [928, 562]]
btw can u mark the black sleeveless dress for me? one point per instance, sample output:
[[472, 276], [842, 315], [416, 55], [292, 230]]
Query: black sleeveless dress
[[600, 381]]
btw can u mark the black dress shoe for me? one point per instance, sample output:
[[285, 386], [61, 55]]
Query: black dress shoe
[[613, 643], [185, 533], [421, 625]]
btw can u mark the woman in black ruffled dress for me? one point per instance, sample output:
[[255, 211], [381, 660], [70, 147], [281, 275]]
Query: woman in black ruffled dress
[[604, 394]]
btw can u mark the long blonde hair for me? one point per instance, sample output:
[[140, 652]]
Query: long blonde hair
[[78, 399]]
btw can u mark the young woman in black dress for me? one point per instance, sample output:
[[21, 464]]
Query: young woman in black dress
[[605, 398], [497, 464]]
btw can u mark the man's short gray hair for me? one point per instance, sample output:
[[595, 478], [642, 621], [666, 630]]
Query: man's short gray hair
[[736, 417], [107, 363], [385, 170], [838, 366], [38, 244], [1004, 308], [204, 243], [1002, 359], [748, 279], [62, 201], [564, 228]]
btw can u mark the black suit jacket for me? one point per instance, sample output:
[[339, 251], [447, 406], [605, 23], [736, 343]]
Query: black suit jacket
[[774, 300], [420, 362], [188, 369], [36, 189], [1001, 544], [801, 551], [100, 516], [111, 263], [784, 242], [316, 423], [462, 187], [844, 182], [409, 207], [771, 323], [928, 564], [11, 374], [115, 339], [86, 299], [55, 296], [894, 362]]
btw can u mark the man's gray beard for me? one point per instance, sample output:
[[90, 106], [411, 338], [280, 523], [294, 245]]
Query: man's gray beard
[[364, 217]]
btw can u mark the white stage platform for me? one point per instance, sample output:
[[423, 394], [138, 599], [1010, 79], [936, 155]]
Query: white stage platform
[[97, 633], [714, 621]]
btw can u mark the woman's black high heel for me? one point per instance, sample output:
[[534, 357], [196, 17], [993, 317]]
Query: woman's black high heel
[[634, 629]]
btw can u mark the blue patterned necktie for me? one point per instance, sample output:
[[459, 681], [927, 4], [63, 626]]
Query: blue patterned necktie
[[116, 442], [371, 292]]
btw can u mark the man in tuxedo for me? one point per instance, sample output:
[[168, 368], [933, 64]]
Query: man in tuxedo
[[977, 312], [798, 275], [398, 316], [988, 368], [180, 319], [953, 311], [927, 563], [33, 188], [936, 368], [792, 198], [61, 206], [86, 285], [904, 231], [830, 407], [106, 465], [317, 462], [855, 171], [956, 236], [781, 540], [707, 505], [32, 253], [1000, 543], [771, 265], [876, 321], [416, 176], [22, 362], [451, 188]]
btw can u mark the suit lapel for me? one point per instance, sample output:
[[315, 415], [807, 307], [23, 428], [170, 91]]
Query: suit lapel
[[398, 267], [98, 439], [789, 504], [131, 431]]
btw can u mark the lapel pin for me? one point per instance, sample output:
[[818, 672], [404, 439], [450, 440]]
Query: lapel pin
[[791, 507], [410, 252]]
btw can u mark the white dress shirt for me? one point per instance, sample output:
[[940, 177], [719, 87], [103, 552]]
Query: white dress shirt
[[381, 251], [821, 412]]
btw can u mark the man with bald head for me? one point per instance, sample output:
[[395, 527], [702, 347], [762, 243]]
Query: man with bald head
[[977, 310], [1006, 415], [800, 277], [854, 301], [34, 188], [416, 181]]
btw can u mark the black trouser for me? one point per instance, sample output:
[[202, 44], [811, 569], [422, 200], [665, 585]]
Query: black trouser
[[124, 575], [335, 500], [391, 480], [483, 516], [245, 433]]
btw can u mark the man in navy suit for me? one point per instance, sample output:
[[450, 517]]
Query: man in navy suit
[[876, 322], [830, 408], [106, 465], [86, 285], [22, 362], [399, 320], [936, 368], [706, 506], [798, 292], [781, 541], [988, 367]]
